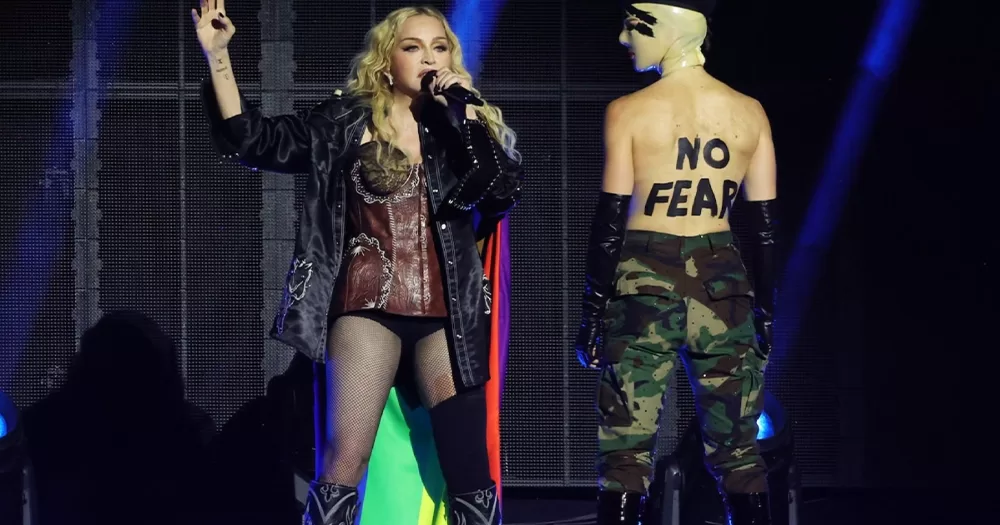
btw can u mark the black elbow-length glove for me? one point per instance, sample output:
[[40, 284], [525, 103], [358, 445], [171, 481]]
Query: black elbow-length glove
[[763, 222], [606, 238]]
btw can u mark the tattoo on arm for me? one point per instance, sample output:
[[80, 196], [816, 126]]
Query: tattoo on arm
[[222, 67]]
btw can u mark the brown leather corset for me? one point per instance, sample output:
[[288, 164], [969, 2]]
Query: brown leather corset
[[390, 262]]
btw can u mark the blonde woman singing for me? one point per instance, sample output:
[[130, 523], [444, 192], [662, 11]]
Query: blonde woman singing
[[403, 182]]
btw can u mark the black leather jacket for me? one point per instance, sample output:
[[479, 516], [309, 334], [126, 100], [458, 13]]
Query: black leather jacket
[[322, 142]]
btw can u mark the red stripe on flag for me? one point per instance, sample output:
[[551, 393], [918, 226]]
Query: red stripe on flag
[[492, 267]]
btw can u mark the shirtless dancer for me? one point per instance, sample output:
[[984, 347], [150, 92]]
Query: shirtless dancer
[[663, 276]]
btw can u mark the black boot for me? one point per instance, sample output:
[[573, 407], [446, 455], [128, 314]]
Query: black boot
[[748, 509], [475, 508], [329, 504], [614, 508]]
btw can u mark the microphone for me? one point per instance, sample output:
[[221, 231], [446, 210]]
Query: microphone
[[455, 92]]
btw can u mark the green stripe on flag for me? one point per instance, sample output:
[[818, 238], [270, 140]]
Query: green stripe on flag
[[404, 484]]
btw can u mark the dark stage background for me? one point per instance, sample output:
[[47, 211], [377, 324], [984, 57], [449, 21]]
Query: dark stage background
[[111, 197]]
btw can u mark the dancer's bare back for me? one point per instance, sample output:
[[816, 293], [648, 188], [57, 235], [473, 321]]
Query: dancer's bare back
[[682, 147]]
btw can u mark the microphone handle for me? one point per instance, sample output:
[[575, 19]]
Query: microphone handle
[[457, 93], [462, 95]]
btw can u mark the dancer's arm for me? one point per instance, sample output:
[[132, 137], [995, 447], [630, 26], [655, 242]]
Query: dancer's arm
[[607, 234], [760, 188]]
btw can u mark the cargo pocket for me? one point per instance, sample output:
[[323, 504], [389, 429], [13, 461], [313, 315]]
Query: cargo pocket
[[728, 286], [612, 400], [731, 298]]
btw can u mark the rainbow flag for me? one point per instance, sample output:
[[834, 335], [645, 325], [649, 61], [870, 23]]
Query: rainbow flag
[[404, 484]]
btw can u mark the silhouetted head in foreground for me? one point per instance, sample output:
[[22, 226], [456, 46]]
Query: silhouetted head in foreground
[[126, 358]]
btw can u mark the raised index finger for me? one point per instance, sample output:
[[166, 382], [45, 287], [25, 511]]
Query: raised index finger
[[220, 5]]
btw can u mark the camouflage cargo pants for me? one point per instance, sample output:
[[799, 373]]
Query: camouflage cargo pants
[[688, 297]]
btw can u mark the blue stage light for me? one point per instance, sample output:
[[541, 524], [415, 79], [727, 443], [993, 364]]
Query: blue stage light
[[12, 461], [685, 492], [765, 427], [8, 416]]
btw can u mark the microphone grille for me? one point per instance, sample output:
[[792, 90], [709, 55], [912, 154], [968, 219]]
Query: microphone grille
[[425, 82]]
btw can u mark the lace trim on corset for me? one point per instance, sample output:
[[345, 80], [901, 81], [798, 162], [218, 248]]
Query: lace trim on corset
[[406, 191]]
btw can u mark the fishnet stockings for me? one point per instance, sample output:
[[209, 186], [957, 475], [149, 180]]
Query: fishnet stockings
[[364, 355], [435, 379]]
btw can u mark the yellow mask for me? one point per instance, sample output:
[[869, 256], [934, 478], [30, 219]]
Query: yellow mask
[[663, 38]]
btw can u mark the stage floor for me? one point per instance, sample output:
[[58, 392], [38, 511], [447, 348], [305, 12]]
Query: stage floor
[[818, 507]]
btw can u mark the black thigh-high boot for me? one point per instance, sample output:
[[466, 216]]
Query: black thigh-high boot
[[459, 425], [619, 508], [329, 504], [480, 507], [748, 509]]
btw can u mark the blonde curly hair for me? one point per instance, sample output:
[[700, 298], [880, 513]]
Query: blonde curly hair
[[367, 80]]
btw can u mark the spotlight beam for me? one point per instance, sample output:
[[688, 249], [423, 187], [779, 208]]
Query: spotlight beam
[[886, 40], [473, 21]]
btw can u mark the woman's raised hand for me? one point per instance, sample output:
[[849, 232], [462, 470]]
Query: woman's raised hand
[[213, 27]]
